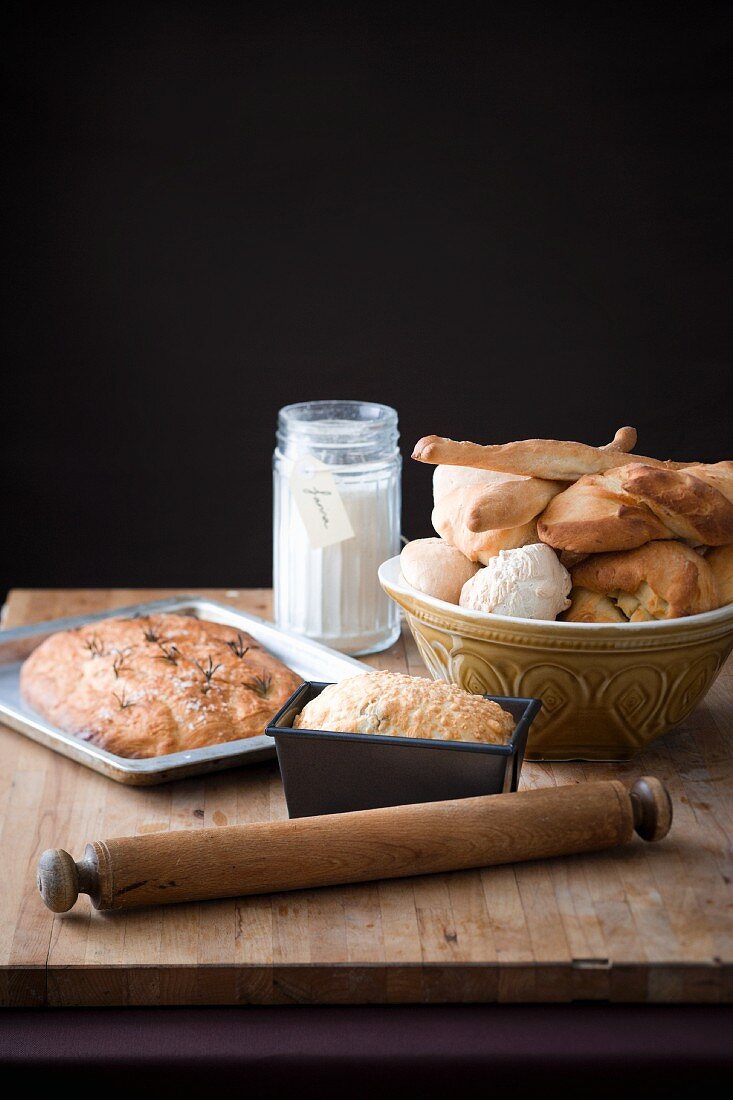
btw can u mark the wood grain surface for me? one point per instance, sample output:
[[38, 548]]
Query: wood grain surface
[[640, 923]]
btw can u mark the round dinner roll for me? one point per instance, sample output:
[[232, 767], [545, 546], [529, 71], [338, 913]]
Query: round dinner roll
[[527, 582], [436, 568]]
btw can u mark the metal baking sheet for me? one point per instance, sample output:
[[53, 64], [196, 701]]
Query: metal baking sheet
[[309, 659]]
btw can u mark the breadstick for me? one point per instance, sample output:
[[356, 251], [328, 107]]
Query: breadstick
[[552, 459], [624, 440], [482, 505]]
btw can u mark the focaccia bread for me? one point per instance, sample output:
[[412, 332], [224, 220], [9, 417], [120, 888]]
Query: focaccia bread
[[405, 706], [156, 685]]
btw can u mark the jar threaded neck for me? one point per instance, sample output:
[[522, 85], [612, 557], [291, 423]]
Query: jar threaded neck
[[338, 432]]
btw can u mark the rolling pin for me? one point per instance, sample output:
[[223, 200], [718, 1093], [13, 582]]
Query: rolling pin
[[271, 856]]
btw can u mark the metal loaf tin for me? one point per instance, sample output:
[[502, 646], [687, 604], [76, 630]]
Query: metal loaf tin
[[306, 658], [330, 773]]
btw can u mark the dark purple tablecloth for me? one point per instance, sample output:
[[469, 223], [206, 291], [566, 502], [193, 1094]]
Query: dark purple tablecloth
[[425, 1049]]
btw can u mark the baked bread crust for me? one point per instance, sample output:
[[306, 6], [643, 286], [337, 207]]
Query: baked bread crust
[[720, 561], [595, 515], [435, 567], [448, 478], [496, 507], [626, 507], [481, 520], [156, 685], [695, 503], [395, 705], [482, 546], [662, 580], [592, 607], [556, 459]]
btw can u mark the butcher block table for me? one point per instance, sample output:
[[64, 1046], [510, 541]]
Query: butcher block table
[[642, 923]]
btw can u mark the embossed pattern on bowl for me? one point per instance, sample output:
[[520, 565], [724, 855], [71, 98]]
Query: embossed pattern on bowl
[[607, 689]]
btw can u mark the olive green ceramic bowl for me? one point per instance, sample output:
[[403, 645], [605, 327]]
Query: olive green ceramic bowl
[[607, 690]]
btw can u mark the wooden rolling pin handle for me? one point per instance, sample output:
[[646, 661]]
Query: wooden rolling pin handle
[[269, 857], [61, 880], [652, 808]]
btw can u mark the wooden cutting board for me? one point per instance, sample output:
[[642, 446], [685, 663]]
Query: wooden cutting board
[[636, 924]]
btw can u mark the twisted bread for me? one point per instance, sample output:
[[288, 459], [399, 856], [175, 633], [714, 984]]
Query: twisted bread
[[634, 504], [662, 580]]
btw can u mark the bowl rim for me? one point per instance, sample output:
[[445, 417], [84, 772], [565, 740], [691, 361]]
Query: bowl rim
[[390, 577]]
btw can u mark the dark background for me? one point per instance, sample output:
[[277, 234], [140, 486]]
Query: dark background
[[505, 220]]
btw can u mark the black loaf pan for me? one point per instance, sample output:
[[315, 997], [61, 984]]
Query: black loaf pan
[[333, 773]]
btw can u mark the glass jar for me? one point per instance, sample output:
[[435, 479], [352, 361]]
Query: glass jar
[[331, 593]]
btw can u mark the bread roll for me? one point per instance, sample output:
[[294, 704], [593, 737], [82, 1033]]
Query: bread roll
[[695, 503], [395, 705], [627, 507], [481, 520], [594, 516], [661, 580], [720, 560], [448, 478], [592, 607], [436, 568]]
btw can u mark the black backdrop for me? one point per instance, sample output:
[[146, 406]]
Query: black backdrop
[[505, 220]]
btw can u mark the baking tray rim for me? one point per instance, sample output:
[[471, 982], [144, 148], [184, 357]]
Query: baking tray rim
[[151, 766]]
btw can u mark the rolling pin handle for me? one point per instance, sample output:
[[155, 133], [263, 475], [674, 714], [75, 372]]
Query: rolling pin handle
[[652, 808], [61, 880], [58, 879]]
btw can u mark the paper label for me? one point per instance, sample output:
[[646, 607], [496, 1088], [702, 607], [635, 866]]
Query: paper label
[[319, 504]]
